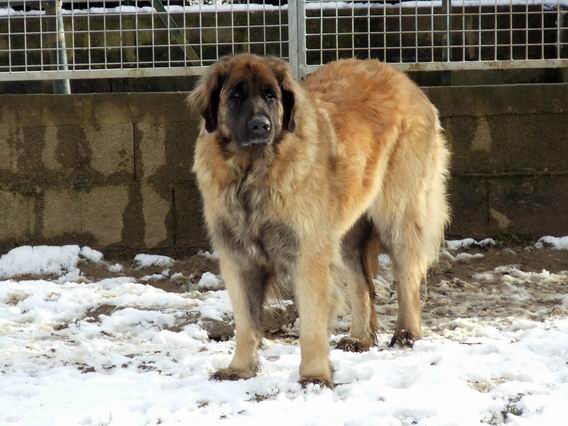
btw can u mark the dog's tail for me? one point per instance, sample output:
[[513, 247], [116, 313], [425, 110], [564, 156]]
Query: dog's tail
[[370, 262], [356, 266]]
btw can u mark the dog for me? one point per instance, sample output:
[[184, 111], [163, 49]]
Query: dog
[[304, 183]]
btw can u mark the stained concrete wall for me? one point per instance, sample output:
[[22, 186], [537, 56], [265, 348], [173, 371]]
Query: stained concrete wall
[[510, 158], [106, 170], [114, 170]]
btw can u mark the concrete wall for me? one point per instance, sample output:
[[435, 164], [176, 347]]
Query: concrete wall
[[113, 170], [106, 170], [510, 158]]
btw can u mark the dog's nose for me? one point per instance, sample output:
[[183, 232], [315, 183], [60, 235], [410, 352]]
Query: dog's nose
[[259, 126]]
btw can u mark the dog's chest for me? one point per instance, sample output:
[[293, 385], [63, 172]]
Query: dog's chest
[[270, 243], [252, 230], [248, 205]]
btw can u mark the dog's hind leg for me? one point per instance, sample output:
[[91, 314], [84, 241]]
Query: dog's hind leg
[[410, 215], [360, 248], [404, 241], [246, 285]]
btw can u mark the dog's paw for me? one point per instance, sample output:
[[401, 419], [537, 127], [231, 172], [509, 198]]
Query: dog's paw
[[320, 381], [230, 374], [352, 344], [404, 338]]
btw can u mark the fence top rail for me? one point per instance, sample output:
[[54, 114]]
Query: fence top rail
[[180, 6], [93, 7], [130, 9], [198, 70]]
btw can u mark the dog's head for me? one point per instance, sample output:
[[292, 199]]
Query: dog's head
[[248, 99]]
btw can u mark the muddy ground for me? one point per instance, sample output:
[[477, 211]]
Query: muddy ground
[[503, 281]]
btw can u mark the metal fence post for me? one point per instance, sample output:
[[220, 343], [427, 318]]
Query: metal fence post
[[59, 54], [293, 36], [301, 16], [447, 52], [297, 37], [446, 12]]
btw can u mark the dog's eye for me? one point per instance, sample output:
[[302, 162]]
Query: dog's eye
[[270, 95], [236, 96]]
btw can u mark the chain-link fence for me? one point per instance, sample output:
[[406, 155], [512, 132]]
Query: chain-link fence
[[60, 39]]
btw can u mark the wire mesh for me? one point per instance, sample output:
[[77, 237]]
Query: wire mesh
[[133, 37], [439, 34], [128, 38]]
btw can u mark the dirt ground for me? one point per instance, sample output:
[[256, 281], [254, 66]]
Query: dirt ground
[[475, 283]]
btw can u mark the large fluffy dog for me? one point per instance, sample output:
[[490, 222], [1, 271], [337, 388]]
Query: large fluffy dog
[[302, 183]]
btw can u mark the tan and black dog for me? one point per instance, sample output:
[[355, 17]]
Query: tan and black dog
[[302, 183]]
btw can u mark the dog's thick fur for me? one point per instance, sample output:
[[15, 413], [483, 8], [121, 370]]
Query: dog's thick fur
[[355, 161]]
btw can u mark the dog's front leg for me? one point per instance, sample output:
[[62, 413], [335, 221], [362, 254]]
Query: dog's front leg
[[313, 297], [246, 286]]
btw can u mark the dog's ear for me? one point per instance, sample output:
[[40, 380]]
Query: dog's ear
[[290, 92], [289, 102], [206, 95]]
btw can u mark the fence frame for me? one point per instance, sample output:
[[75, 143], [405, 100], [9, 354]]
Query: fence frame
[[297, 47]]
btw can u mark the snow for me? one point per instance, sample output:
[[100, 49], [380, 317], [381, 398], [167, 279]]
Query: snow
[[152, 277], [216, 306], [208, 254], [116, 268], [8, 11], [461, 257], [91, 255], [361, 4], [469, 242], [46, 260], [118, 352], [311, 4], [177, 276], [558, 243], [209, 281], [150, 260]]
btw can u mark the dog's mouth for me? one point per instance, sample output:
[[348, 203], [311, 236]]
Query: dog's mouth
[[258, 141]]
